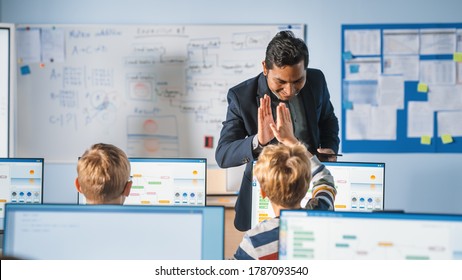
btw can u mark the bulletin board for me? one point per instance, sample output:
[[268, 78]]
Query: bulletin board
[[153, 90], [402, 88]]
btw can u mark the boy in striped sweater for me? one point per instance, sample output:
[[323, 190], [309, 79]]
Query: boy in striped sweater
[[284, 173]]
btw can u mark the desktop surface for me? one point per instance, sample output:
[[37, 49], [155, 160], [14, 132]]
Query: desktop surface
[[51, 231]]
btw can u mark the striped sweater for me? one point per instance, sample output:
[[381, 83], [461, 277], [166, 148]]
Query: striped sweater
[[261, 242]]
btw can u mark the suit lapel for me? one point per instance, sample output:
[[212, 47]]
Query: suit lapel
[[262, 90]]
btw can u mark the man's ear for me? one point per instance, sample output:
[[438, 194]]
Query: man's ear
[[127, 188], [77, 185], [265, 70], [263, 194]]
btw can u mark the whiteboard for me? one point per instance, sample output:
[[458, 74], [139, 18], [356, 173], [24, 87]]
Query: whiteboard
[[155, 91]]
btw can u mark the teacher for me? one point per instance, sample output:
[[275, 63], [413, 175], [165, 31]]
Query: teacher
[[287, 102]]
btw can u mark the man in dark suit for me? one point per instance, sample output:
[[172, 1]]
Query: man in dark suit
[[299, 99]]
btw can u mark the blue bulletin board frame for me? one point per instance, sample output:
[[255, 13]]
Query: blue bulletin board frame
[[402, 144]]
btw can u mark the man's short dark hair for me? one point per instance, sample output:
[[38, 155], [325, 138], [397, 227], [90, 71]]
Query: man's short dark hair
[[286, 50]]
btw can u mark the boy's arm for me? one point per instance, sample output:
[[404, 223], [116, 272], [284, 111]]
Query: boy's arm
[[323, 187], [245, 251]]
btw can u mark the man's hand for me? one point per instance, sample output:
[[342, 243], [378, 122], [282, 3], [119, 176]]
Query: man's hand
[[265, 120], [324, 154]]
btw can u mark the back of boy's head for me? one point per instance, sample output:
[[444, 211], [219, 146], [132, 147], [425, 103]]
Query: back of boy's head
[[103, 172], [284, 174]]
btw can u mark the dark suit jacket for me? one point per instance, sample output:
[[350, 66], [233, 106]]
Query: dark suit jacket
[[241, 125]]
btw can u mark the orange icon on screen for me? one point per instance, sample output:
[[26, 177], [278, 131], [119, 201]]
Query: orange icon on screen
[[195, 172], [31, 172], [372, 177]]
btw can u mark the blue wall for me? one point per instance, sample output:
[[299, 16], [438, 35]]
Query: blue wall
[[414, 182]]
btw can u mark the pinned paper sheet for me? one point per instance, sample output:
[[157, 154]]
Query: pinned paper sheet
[[425, 140], [446, 138], [421, 87], [458, 57], [28, 42]]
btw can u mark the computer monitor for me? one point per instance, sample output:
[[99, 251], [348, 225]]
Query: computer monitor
[[125, 232], [7, 84], [21, 181], [324, 235], [360, 187], [166, 181]]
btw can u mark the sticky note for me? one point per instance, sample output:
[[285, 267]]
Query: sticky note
[[446, 138], [458, 56], [348, 105], [425, 140], [25, 70], [421, 87], [347, 55], [354, 68]]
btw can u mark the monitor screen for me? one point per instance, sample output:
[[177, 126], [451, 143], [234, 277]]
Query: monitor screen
[[6, 83], [128, 232], [166, 181], [326, 235], [20, 182], [360, 187]]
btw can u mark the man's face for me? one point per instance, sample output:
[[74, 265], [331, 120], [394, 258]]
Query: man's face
[[285, 81]]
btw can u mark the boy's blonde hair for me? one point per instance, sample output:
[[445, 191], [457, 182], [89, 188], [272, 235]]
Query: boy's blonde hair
[[103, 172], [284, 174]]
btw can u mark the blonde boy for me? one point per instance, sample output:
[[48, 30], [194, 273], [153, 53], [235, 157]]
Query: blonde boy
[[103, 175], [284, 173]]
